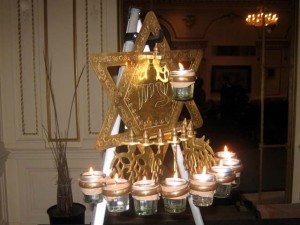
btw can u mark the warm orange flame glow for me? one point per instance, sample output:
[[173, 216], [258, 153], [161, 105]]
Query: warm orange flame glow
[[204, 170], [116, 176], [91, 171], [176, 174], [227, 153], [180, 66], [225, 149], [144, 178], [221, 162]]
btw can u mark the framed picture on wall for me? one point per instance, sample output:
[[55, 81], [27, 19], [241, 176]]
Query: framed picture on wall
[[237, 75]]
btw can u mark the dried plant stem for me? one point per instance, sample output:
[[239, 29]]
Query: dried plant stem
[[58, 147]]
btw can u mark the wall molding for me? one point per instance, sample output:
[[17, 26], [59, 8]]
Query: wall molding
[[50, 130], [3, 193], [21, 8]]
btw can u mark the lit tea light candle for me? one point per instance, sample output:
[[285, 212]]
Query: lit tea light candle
[[203, 187], [175, 191], [226, 154], [116, 192], [145, 194], [182, 82], [237, 167], [225, 176], [91, 184]]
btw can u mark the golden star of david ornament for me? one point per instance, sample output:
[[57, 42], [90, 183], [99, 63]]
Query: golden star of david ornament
[[142, 100]]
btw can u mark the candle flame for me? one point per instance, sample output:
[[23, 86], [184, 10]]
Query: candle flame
[[144, 178], [116, 176], [204, 170], [180, 66], [225, 149], [91, 171], [176, 174], [227, 154], [221, 162]]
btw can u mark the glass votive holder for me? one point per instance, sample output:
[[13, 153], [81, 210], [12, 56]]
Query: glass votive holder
[[174, 193], [202, 189], [237, 167], [182, 83], [91, 184], [116, 192], [224, 176], [145, 194]]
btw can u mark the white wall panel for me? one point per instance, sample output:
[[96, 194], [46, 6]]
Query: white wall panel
[[61, 45], [36, 181], [3, 194], [30, 176]]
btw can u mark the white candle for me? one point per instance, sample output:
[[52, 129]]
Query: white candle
[[203, 177], [174, 181], [116, 183], [226, 154], [145, 190], [116, 187], [235, 165], [182, 78], [92, 182], [203, 185], [231, 162], [221, 169], [142, 184], [175, 188], [92, 176]]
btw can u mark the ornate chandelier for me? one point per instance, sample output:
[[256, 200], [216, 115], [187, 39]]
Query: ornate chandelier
[[261, 18]]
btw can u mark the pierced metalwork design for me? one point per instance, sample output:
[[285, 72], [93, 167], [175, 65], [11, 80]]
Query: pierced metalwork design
[[137, 98], [197, 154], [139, 161], [144, 100]]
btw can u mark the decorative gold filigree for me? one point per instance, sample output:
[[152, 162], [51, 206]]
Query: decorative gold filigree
[[138, 161], [197, 154], [144, 100], [136, 100]]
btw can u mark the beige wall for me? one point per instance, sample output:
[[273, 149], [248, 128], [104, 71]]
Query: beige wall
[[30, 174]]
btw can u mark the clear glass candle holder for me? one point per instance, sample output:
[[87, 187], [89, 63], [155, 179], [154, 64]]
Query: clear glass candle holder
[[184, 93], [116, 192], [225, 176], [199, 200], [182, 82], [237, 167], [145, 194], [145, 207], [202, 188], [93, 198], [237, 181], [174, 191], [175, 205], [223, 190], [118, 203], [91, 184]]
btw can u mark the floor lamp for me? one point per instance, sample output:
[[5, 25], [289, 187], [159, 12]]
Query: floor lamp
[[263, 20]]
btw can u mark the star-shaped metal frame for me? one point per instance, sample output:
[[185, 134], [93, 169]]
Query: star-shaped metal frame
[[125, 95]]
